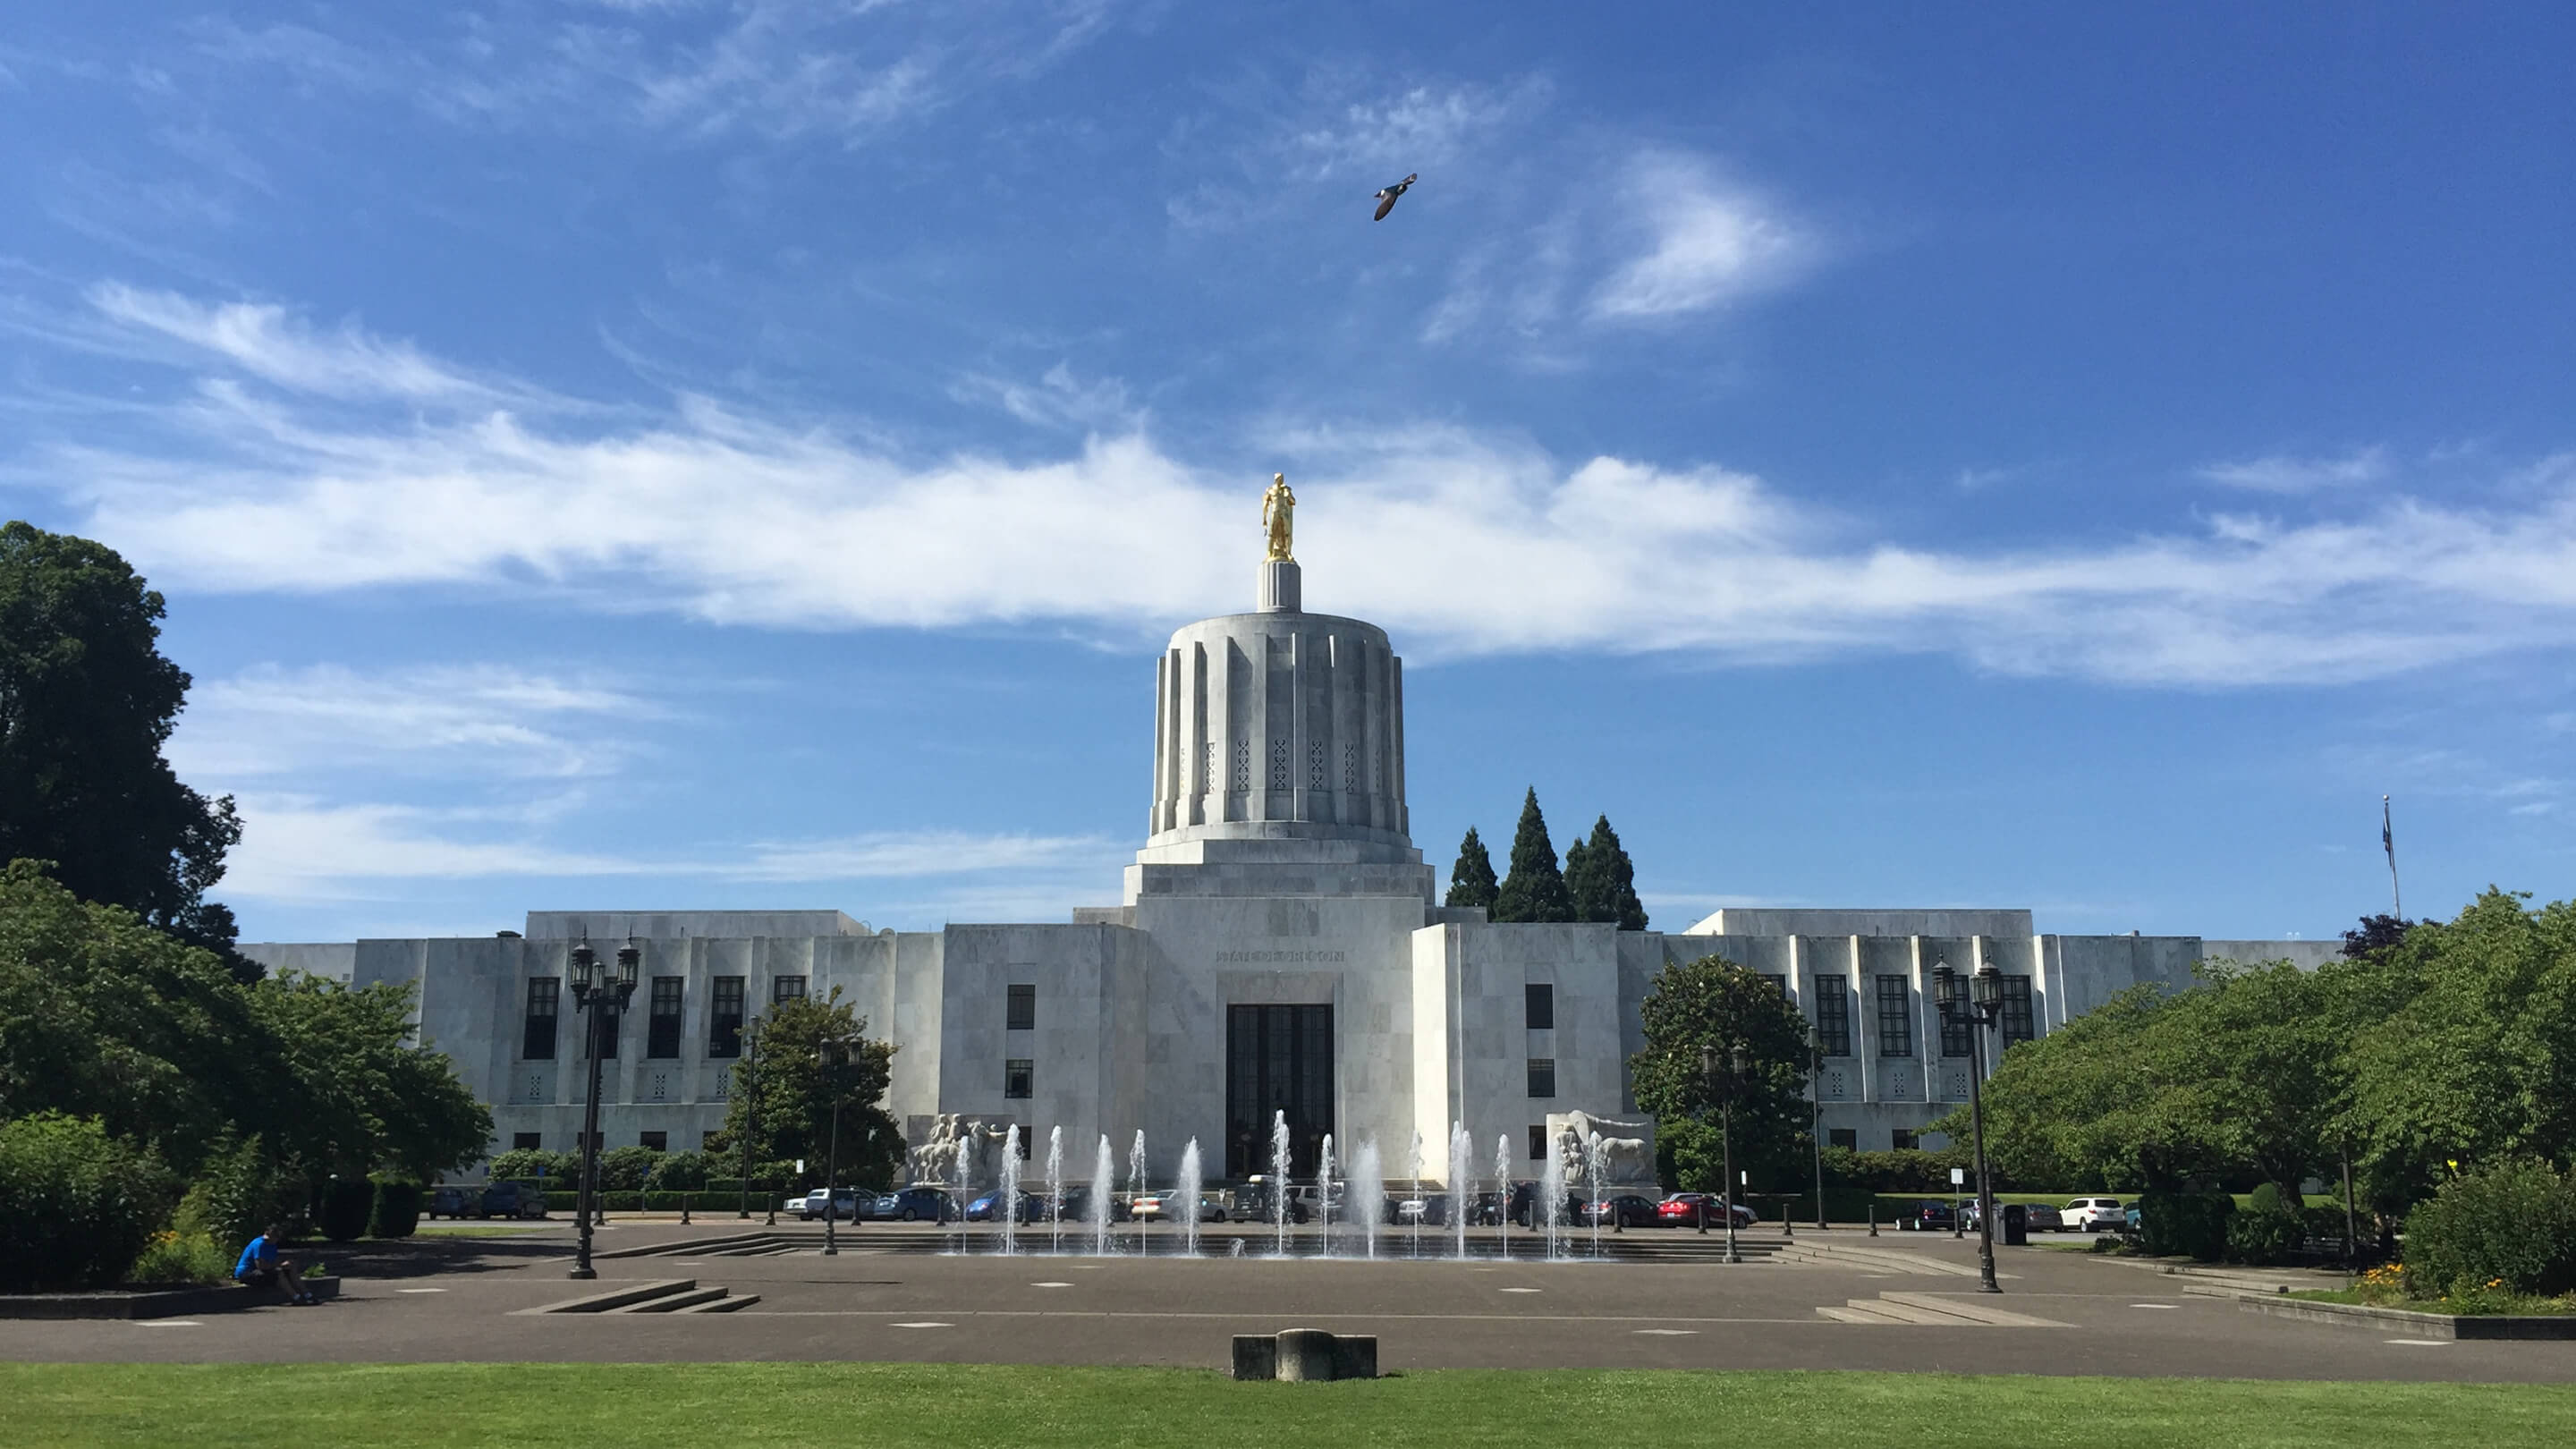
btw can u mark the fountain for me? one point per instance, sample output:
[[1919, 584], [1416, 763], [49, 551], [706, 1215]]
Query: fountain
[[965, 1176], [1324, 1198], [1503, 1188], [1462, 1183], [1010, 1191], [1364, 1199], [1413, 1229], [1136, 1189], [1055, 1189], [1186, 1193], [1549, 1205], [1104, 1181], [1279, 1176], [1593, 1162]]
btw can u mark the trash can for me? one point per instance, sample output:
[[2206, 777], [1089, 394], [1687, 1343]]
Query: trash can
[[2016, 1225]]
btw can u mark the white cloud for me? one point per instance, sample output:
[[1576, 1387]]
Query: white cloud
[[1707, 243], [266, 342], [1463, 543], [2280, 473], [1425, 126], [1057, 400], [492, 720]]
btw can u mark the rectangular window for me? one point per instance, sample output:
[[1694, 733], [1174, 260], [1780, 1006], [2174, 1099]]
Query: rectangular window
[[1019, 1078], [1023, 1009], [1954, 1035], [1895, 1017], [1538, 999], [662, 1027], [786, 988], [527, 1141], [1833, 1015], [1538, 1142], [537, 1044], [1901, 1140], [654, 1141], [1846, 1138], [1778, 983], [2018, 1023], [724, 1018], [1542, 1076]]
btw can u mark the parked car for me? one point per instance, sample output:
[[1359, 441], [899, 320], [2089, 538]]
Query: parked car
[[1525, 1199], [1626, 1210], [988, 1208], [1689, 1209], [2095, 1215], [1928, 1215], [1254, 1203], [912, 1204], [1155, 1207], [452, 1202], [510, 1200], [2039, 1217], [1077, 1205], [1211, 1207], [843, 1204]]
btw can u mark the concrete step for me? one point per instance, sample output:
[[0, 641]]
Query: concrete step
[[722, 1305], [673, 1302], [1858, 1312], [686, 1247], [1972, 1310], [1886, 1260], [618, 1297]]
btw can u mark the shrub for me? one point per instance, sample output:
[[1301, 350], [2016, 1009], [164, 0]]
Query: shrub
[[683, 1171], [176, 1256], [1906, 1171], [622, 1169], [2264, 1237], [77, 1206], [397, 1211], [346, 1202], [2513, 1224], [529, 1163], [236, 1195], [2185, 1224]]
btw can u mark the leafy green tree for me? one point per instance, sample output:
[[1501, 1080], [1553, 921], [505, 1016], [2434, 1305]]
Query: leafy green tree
[[361, 1094], [2376, 933], [792, 1093], [1535, 889], [1471, 880], [76, 1203], [1601, 882], [1713, 1002], [86, 703]]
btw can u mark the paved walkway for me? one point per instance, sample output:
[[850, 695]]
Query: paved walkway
[[884, 1297]]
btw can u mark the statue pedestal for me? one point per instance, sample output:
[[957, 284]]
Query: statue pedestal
[[1279, 586]]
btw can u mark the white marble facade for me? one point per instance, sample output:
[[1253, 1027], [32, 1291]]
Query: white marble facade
[[1278, 872]]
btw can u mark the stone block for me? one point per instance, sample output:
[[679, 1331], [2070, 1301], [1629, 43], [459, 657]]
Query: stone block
[[1256, 1358], [1304, 1355]]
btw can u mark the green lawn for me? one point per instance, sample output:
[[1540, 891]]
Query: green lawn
[[956, 1406]]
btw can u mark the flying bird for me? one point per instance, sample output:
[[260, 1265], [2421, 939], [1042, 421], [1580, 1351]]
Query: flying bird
[[1386, 198]]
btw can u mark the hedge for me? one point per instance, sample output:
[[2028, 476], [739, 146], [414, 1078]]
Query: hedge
[[76, 1205], [397, 1210], [2513, 1223]]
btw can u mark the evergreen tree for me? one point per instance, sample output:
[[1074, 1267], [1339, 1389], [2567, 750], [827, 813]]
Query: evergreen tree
[[1471, 880], [1535, 890], [1601, 881]]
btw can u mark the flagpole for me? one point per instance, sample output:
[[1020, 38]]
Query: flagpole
[[2388, 842]]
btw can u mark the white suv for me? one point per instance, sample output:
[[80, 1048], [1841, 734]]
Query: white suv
[[2095, 1214]]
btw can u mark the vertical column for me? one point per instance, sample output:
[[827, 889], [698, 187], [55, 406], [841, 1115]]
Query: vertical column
[[1395, 755], [1202, 758]]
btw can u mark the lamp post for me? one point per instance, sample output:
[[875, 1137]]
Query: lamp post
[[833, 1055], [750, 1034], [598, 997], [1816, 1114], [1723, 1088], [1979, 1002]]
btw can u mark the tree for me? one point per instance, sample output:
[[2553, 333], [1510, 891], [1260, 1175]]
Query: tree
[[361, 1095], [793, 1093], [1535, 890], [86, 703], [2376, 933], [1713, 1002], [1471, 880], [1601, 882]]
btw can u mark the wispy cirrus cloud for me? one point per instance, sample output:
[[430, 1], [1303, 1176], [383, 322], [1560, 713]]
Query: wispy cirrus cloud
[[1706, 243], [271, 344], [489, 720], [2283, 473]]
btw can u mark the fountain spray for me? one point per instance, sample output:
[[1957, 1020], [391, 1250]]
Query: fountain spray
[[1279, 1176]]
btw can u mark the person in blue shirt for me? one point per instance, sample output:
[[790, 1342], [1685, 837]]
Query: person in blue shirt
[[261, 1267]]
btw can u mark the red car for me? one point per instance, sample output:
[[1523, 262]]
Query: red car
[[1690, 1209]]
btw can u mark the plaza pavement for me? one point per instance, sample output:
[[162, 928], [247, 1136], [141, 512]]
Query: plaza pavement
[[890, 1296]]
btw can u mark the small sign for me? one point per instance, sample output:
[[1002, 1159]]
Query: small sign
[[1958, 1176]]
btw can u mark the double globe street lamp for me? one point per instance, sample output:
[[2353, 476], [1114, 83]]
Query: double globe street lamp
[[833, 1054], [599, 997], [1978, 1003], [1722, 1088]]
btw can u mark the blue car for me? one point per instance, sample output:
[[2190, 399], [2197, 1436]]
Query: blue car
[[917, 1204], [988, 1208]]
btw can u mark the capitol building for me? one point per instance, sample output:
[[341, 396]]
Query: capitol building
[[1279, 947]]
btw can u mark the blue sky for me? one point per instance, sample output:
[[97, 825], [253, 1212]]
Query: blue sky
[[735, 454]]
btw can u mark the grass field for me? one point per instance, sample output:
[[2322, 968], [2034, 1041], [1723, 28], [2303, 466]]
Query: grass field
[[958, 1406]]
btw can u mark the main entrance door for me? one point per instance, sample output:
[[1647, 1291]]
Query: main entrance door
[[1277, 1059]]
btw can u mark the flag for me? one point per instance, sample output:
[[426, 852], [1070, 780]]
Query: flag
[[2387, 841]]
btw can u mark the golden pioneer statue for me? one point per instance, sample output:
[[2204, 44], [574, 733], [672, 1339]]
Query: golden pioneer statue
[[1278, 510]]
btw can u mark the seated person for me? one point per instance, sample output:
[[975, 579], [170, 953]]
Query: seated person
[[261, 1267]]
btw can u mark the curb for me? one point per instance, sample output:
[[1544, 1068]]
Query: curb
[[2420, 1325]]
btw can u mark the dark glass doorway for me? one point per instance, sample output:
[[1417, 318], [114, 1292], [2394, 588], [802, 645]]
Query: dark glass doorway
[[1277, 1059]]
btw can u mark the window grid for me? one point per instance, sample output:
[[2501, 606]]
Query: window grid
[[1846, 1138], [724, 1018], [1954, 1035], [786, 988], [1539, 1002], [1833, 1015], [1901, 1140], [1538, 1142], [1019, 1078], [2018, 1022], [1022, 1012], [1895, 1017], [662, 1027], [537, 1041], [1542, 1076]]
